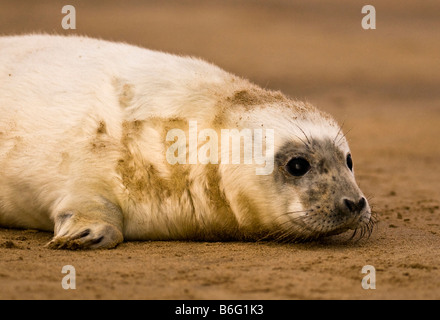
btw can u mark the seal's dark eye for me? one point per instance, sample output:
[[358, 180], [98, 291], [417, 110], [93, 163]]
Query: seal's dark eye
[[298, 167], [349, 162]]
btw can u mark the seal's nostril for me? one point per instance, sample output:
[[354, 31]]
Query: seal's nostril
[[350, 205], [361, 204], [355, 207]]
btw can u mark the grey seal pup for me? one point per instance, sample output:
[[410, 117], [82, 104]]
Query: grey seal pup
[[103, 141]]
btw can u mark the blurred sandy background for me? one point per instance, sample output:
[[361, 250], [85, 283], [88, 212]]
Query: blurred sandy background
[[383, 84]]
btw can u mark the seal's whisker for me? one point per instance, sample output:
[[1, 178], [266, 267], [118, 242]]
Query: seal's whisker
[[291, 219], [283, 235], [353, 235], [339, 131], [370, 226], [343, 136], [293, 212], [363, 229], [366, 228], [290, 236], [305, 143], [305, 135]]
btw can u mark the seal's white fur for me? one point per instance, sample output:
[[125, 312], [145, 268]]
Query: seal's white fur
[[70, 109]]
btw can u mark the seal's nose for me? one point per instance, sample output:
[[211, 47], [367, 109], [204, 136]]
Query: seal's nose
[[354, 207]]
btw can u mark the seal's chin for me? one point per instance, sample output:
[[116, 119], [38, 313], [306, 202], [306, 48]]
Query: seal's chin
[[358, 221], [307, 228], [362, 225]]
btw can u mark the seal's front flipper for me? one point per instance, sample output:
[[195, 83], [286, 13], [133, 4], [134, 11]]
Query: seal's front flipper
[[86, 235], [91, 226]]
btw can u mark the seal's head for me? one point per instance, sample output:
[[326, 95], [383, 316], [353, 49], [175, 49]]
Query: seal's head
[[318, 174], [311, 191]]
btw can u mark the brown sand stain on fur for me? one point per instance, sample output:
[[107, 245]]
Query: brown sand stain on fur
[[145, 180], [251, 96], [102, 128], [98, 146], [248, 97], [172, 123], [134, 178], [133, 172], [125, 92], [256, 96], [140, 178], [220, 118], [101, 141], [132, 129], [226, 222], [126, 95], [251, 214], [176, 180]]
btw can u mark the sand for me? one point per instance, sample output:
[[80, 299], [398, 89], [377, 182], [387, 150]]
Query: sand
[[382, 84]]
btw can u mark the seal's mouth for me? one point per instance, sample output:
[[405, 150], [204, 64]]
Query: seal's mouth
[[364, 226], [309, 227]]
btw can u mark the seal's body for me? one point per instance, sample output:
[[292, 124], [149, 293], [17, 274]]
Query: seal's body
[[83, 150]]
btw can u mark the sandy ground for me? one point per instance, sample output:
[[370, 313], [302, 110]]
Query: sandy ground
[[382, 84]]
